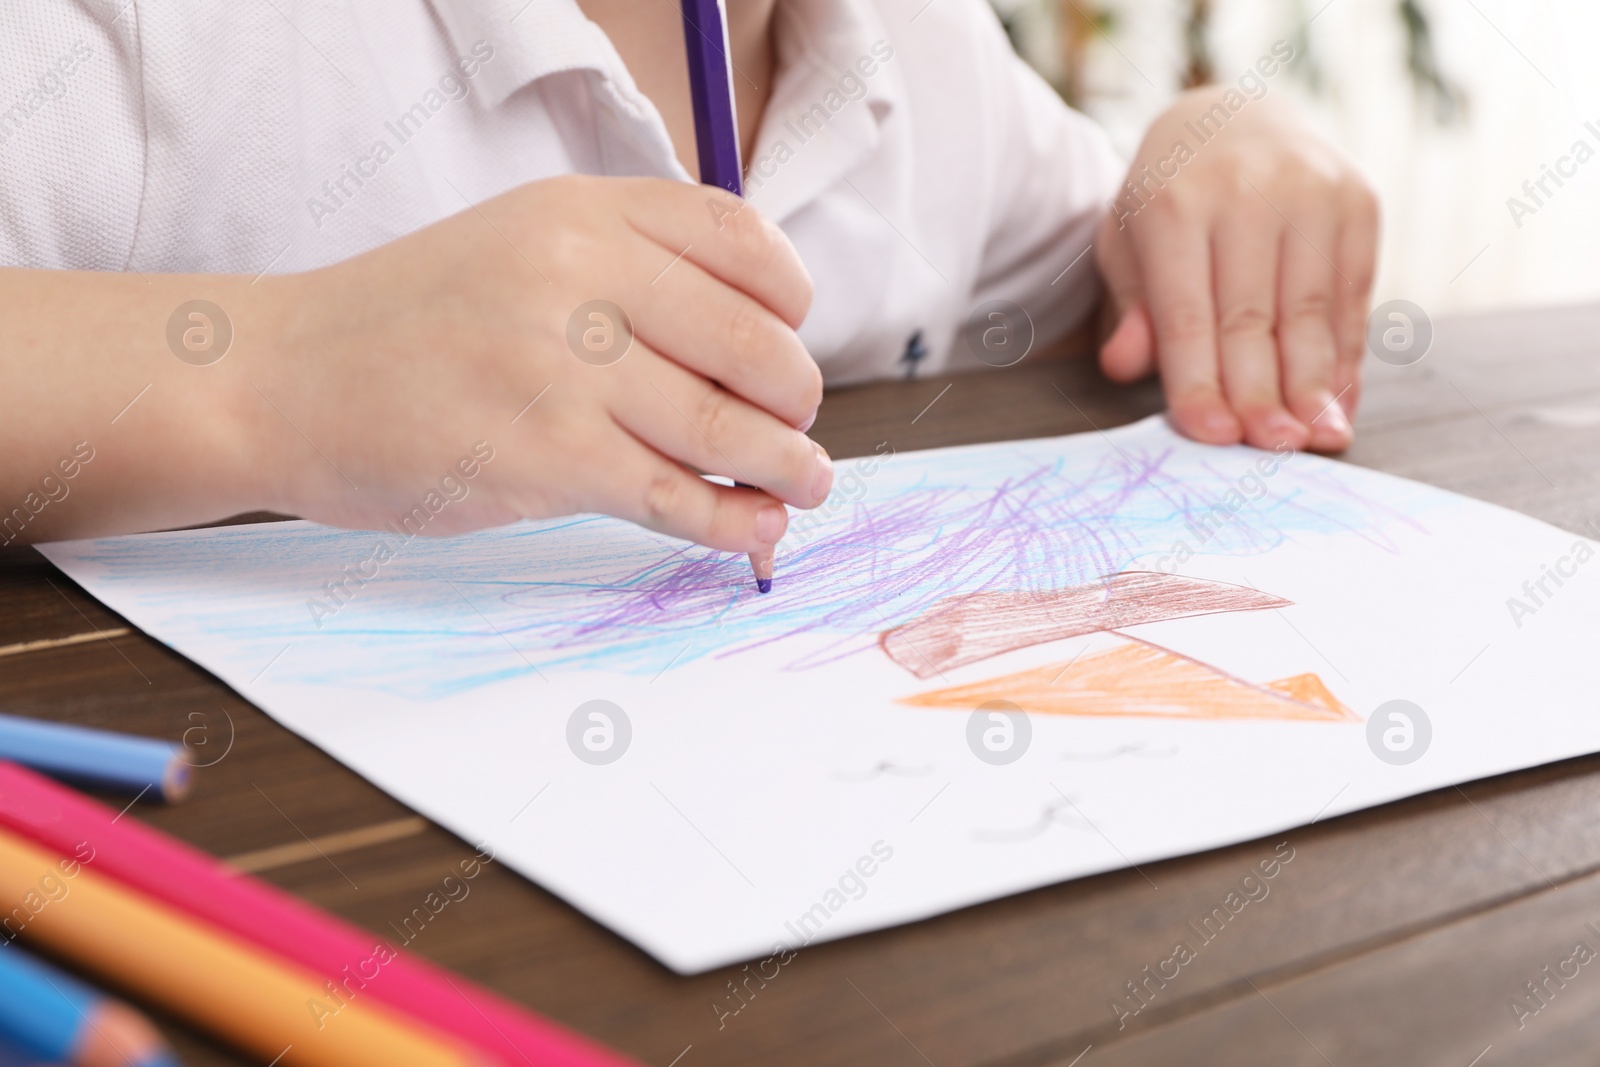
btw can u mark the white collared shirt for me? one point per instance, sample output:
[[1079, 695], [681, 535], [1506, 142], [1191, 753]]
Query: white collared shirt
[[919, 167]]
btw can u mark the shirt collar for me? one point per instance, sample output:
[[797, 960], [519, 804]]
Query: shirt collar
[[535, 39], [531, 39], [823, 48], [819, 43]]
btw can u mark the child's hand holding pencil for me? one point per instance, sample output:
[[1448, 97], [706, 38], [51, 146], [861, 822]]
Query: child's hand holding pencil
[[691, 363], [602, 340]]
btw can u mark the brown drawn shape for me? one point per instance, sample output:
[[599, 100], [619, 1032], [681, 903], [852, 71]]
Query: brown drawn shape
[[965, 629]]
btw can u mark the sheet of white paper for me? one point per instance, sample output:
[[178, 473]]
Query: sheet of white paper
[[770, 785]]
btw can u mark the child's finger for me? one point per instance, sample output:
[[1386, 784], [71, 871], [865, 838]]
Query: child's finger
[[1356, 258], [1247, 242], [1305, 328], [1176, 262], [1129, 351], [725, 237], [718, 332], [642, 486], [696, 422], [1129, 354]]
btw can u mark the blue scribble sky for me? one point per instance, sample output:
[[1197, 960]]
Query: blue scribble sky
[[593, 593]]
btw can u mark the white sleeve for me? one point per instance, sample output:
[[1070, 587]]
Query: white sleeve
[[1054, 173], [72, 134]]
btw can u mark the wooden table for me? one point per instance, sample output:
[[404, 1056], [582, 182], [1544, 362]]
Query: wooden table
[[1396, 935]]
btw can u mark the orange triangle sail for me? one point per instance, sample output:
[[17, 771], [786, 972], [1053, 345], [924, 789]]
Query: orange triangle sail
[[1144, 679]]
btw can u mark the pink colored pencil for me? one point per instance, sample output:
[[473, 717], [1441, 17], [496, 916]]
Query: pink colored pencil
[[206, 888]]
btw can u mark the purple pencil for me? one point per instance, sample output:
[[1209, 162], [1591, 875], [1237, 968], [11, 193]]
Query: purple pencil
[[716, 136], [716, 125]]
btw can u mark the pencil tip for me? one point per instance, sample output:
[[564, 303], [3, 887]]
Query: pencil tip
[[117, 1033], [761, 565], [178, 779]]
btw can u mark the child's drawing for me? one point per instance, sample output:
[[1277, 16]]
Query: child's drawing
[[1139, 678], [879, 769], [965, 629], [1061, 811], [1134, 678], [1137, 749], [1194, 633], [959, 553]]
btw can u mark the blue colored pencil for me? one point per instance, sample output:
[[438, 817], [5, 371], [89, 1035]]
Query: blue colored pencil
[[716, 136], [49, 1015], [13, 1056], [96, 757]]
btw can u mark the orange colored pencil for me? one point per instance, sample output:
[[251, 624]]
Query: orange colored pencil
[[253, 1001]]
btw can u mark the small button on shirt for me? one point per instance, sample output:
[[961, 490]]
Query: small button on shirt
[[923, 172]]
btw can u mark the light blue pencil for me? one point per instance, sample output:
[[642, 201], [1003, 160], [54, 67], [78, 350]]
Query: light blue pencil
[[96, 757]]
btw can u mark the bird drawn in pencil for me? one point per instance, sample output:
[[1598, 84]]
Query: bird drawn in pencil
[[1059, 812], [879, 769], [1140, 749]]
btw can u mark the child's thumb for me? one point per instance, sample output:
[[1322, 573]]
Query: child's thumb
[[1129, 353]]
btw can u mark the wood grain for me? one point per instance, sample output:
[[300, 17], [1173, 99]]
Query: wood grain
[[1391, 936]]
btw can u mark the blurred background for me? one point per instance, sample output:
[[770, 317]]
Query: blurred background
[[1449, 106]]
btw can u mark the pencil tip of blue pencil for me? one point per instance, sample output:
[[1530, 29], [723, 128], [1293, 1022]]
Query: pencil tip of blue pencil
[[763, 585]]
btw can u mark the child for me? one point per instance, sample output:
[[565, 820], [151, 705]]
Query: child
[[317, 258]]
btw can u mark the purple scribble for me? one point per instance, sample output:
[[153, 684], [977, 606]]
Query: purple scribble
[[900, 549], [591, 593]]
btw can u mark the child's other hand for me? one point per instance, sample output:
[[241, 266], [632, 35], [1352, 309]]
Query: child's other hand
[[392, 365], [1243, 274]]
